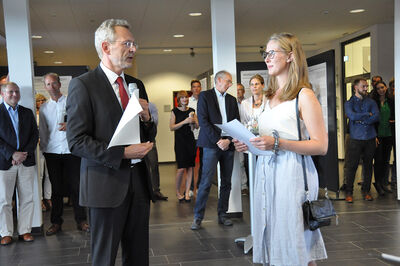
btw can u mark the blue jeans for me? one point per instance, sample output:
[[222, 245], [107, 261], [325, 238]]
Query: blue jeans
[[210, 159]]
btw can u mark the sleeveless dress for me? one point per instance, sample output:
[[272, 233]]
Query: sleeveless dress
[[185, 145], [279, 236]]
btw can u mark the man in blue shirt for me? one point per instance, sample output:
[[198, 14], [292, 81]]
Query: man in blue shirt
[[18, 140], [363, 113]]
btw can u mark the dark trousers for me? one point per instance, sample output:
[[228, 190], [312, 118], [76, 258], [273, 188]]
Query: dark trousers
[[155, 172], [127, 223], [210, 159], [64, 174], [356, 149], [382, 157]]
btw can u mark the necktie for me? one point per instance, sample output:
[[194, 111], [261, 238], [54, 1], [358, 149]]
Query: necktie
[[122, 93]]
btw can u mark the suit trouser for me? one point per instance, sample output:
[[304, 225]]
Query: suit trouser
[[64, 173], [356, 149], [155, 173], [382, 157], [22, 177], [210, 159], [127, 223]]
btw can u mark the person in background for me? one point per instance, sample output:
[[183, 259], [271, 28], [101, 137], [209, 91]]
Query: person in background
[[195, 87], [384, 137], [363, 113], [43, 173], [375, 80], [243, 158], [153, 158], [181, 121], [63, 167], [279, 236], [18, 140], [215, 106], [393, 178], [240, 93]]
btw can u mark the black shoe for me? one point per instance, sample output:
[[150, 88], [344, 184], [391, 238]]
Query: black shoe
[[159, 196], [386, 189], [53, 229], [196, 225], [225, 221]]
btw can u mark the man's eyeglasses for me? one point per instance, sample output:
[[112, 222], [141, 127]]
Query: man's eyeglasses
[[129, 44], [271, 54]]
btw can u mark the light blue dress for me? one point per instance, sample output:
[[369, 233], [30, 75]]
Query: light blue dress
[[279, 236]]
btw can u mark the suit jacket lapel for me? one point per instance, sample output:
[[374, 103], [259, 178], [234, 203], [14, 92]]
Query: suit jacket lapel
[[9, 122], [214, 97]]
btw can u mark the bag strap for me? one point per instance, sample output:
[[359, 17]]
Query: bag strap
[[302, 156]]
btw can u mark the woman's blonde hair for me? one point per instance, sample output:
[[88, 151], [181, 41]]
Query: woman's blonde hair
[[298, 72], [180, 95]]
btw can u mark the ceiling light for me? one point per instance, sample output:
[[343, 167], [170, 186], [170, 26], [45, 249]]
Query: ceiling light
[[195, 14], [179, 35], [354, 11], [167, 50], [57, 62], [48, 52], [36, 37]]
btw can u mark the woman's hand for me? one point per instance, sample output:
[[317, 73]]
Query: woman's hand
[[263, 143], [239, 146]]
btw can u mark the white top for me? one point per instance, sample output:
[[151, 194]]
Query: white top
[[247, 112], [193, 104], [51, 114]]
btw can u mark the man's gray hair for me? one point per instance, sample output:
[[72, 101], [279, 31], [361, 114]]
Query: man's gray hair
[[10, 83], [106, 33], [221, 74]]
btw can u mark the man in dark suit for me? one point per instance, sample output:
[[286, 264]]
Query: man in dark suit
[[18, 140], [215, 107], [115, 188]]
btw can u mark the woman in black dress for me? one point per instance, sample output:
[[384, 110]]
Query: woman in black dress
[[183, 119]]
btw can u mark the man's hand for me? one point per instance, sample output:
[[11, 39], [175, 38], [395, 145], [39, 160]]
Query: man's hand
[[18, 157], [137, 151], [145, 114], [223, 144], [63, 126]]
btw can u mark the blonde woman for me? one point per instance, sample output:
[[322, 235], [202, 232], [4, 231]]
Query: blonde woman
[[183, 118], [280, 237]]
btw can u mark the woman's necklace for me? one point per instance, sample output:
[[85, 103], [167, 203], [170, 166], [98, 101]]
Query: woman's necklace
[[257, 104]]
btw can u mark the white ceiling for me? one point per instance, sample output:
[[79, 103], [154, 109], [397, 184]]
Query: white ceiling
[[68, 26]]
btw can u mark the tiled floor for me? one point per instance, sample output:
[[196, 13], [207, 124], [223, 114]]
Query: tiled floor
[[366, 230]]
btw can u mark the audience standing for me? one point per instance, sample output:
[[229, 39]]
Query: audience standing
[[18, 140], [215, 106], [363, 113], [63, 167], [182, 119]]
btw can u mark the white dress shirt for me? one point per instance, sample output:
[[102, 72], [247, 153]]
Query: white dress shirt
[[222, 108], [193, 104], [112, 78], [51, 114]]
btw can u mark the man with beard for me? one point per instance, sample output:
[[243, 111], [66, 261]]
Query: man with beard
[[116, 189], [362, 112]]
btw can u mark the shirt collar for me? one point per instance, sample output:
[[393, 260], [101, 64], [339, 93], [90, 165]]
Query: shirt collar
[[219, 94], [59, 99], [9, 106], [112, 76]]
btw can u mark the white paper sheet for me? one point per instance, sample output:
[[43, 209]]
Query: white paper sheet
[[128, 129], [237, 130]]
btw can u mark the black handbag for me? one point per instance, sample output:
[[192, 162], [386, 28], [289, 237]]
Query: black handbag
[[316, 213]]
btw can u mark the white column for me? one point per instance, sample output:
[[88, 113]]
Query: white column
[[397, 83], [224, 58], [20, 67]]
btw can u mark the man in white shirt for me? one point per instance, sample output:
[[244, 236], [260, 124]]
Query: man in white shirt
[[195, 87], [63, 167]]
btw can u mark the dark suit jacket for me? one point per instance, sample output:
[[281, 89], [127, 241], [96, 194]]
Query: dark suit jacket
[[209, 114], [93, 115], [28, 136]]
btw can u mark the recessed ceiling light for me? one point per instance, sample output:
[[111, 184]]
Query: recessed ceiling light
[[354, 11], [179, 35], [167, 50], [195, 14], [36, 37], [48, 52], [58, 62]]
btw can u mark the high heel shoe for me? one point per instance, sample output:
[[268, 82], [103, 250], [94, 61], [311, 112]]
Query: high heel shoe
[[181, 199], [188, 200]]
